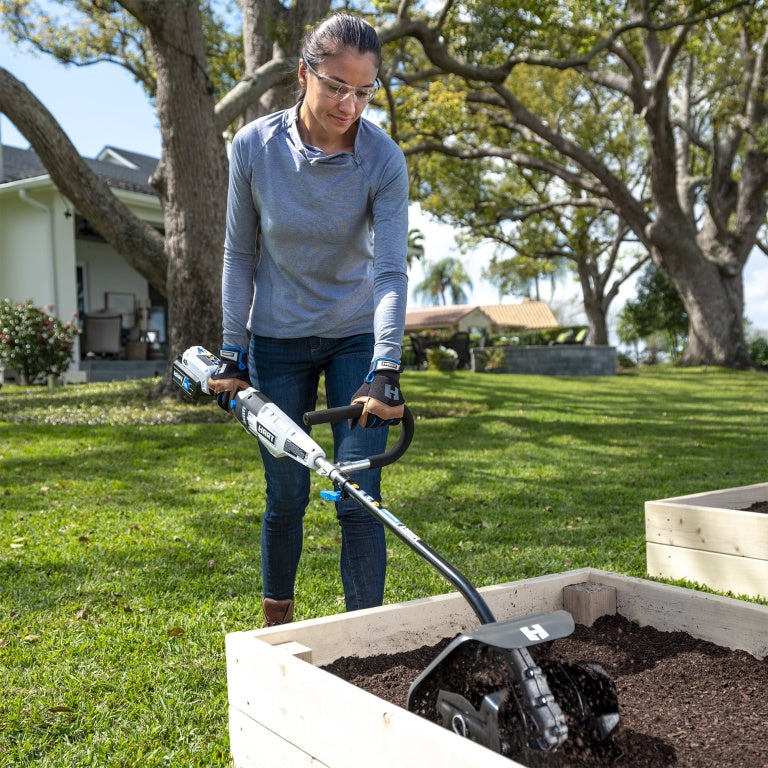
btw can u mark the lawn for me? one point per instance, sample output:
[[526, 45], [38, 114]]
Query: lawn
[[129, 531]]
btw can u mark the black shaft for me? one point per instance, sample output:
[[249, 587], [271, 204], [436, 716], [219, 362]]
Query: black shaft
[[455, 577]]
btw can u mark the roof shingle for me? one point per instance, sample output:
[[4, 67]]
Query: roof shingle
[[18, 164]]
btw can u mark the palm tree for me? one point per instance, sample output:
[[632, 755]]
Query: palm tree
[[415, 246], [445, 276]]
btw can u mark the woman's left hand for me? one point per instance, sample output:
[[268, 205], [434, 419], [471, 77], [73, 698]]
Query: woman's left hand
[[381, 396]]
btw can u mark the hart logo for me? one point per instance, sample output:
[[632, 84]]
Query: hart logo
[[393, 393], [535, 632], [265, 433]]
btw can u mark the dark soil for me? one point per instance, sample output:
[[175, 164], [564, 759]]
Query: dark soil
[[683, 702], [758, 506]]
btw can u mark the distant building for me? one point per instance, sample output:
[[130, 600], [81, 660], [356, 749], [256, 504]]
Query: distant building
[[51, 254], [484, 319]]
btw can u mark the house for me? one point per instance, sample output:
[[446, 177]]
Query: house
[[557, 350], [451, 326], [50, 253], [484, 319]]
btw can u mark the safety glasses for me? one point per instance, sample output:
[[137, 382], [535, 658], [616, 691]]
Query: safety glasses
[[339, 91]]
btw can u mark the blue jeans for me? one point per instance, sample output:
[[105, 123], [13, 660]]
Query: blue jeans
[[288, 372]]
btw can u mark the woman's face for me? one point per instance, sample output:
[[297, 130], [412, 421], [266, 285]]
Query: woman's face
[[337, 91]]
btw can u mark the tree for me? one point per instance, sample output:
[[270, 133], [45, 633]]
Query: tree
[[496, 185], [689, 80], [589, 241], [446, 276], [656, 312], [514, 80], [415, 250], [164, 44]]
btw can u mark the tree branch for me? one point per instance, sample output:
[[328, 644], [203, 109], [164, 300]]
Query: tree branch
[[599, 203], [250, 89], [535, 163]]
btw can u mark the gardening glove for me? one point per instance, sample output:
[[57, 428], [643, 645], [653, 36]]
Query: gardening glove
[[383, 402], [231, 376]]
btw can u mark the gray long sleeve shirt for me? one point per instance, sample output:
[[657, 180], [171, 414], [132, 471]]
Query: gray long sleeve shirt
[[316, 244]]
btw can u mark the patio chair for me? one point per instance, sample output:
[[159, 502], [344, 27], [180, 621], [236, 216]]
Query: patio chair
[[420, 346], [101, 334], [459, 343]]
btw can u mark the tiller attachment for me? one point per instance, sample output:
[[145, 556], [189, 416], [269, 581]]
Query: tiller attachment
[[487, 687]]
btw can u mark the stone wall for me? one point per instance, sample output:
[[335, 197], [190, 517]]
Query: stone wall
[[557, 360]]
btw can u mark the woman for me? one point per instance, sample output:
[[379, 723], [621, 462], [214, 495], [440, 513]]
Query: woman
[[315, 273]]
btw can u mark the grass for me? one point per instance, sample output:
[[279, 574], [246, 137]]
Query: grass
[[129, 531]]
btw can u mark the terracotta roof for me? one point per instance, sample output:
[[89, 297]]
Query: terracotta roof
[[428, 317], [527, 314]]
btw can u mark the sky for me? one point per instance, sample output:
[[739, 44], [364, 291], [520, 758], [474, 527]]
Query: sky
[[101, 105]]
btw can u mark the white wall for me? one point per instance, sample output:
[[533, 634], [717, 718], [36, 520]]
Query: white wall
[[25, 252], [37, 251], [106, 271]]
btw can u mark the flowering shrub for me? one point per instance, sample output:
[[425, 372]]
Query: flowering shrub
[[33, 341]]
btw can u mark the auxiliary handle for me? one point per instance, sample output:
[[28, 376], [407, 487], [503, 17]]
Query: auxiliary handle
[[330, 415]]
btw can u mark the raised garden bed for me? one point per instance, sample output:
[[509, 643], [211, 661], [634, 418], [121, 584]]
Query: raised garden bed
[[719, 539], [287, 711]]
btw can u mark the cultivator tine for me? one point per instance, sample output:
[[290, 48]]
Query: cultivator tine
[[544, 723], [487, 687], [588, 697]]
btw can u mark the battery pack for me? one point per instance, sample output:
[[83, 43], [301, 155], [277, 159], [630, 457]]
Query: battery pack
[[191, 371]]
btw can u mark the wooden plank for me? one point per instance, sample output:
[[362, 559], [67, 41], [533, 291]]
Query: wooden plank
[[253, 746], [386, 629], [406, 626], [730, 532], [725, 498], [724, 573], [542, 593], [725, 621], [333, 721]]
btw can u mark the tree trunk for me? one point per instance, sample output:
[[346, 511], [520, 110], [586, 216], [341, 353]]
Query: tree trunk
[[714, 302], [598, 327], [191, 179], [597, 295], [272, 32], [259, 16]]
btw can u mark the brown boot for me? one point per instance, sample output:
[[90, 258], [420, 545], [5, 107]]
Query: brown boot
[[277, 611]]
